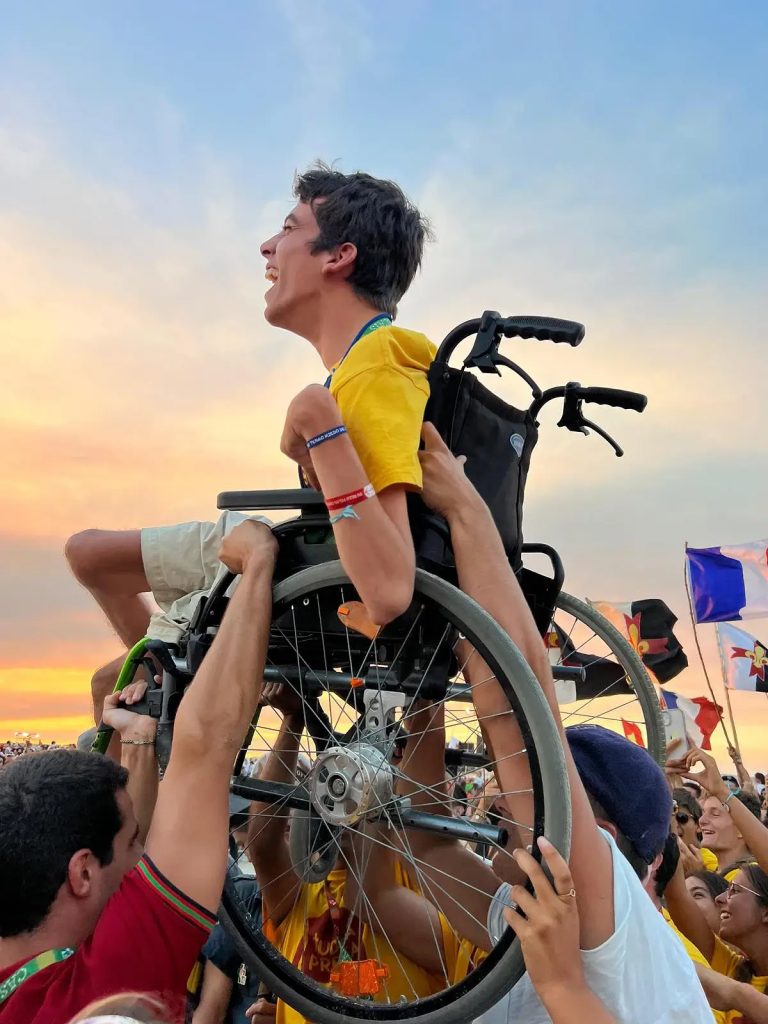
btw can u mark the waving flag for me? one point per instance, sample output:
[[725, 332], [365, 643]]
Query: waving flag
[[701, 716], [744, 660], [729, 582], [647, 625]]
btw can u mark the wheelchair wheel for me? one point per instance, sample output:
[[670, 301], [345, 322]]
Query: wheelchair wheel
[[389, 742], [617, 691]]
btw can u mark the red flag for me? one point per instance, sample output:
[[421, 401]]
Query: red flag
[[632, 732]]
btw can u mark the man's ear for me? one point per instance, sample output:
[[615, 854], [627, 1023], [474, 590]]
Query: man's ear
[[80, 873], [609, 827], [340, 262]]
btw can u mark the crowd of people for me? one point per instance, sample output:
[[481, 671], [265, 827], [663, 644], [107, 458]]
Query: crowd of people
[[11, 749], [111, 879]]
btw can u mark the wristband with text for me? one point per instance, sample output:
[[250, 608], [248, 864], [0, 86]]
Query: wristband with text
[[327, 435], [352, 498]]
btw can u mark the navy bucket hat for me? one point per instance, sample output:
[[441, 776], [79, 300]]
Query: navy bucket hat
[[627, 783]]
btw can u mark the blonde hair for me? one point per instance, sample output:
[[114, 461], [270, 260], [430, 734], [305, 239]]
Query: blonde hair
[[132, 1007]]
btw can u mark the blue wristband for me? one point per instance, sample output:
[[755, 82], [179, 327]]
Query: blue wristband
[[346, 513], [327, 435]]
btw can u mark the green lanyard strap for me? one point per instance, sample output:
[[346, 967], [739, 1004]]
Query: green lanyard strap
[[37, 963]]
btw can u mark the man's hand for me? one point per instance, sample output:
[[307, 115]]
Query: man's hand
[[117, 716], [282, 698], [261, 1012], [248, 541], [311, 412], [708, 778], [445, 485], [690, 857]]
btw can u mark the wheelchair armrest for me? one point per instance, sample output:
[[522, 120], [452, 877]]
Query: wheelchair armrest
[[297, 497]]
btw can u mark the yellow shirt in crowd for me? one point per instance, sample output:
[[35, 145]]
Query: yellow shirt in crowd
[[726, 961], [381, 389], [308, 938]]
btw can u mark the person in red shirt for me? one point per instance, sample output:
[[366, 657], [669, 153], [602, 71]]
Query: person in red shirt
[[85, 912]]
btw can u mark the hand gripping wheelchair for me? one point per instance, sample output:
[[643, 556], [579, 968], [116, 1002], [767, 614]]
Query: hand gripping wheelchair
[[358, 694]]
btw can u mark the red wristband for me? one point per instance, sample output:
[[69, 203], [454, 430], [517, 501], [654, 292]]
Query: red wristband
[[353, 498]]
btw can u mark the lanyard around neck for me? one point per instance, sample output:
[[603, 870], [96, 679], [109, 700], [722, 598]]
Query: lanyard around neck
[[37, 963], [380, 320]]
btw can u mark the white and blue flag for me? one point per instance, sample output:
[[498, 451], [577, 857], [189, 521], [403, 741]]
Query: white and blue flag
[[729, 583]]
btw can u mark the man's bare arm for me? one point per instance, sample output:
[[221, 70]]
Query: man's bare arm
[[375, 545], [485, 575], [267, 842], [188, 836]]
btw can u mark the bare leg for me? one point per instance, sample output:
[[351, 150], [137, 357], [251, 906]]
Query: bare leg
[[109, 565]]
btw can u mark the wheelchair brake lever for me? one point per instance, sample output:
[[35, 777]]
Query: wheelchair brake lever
[[499, 360], [572, 418], [605, 436]]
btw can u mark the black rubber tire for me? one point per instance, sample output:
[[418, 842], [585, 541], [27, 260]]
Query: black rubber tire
[[479, 990], [632, 664]]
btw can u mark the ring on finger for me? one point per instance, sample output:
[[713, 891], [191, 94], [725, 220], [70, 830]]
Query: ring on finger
[[571, 894]]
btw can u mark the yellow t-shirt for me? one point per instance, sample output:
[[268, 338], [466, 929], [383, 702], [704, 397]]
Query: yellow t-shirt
[[308, 938], [710, 860], [726, 961], [381, 389]]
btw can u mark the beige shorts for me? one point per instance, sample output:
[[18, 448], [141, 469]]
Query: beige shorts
[[181, 564]]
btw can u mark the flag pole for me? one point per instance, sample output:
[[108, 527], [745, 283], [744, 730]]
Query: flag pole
[[726, 688], [701, 658]]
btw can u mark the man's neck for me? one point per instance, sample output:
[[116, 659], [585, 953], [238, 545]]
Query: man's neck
[[731, 855], [336, 329], [53, 934]]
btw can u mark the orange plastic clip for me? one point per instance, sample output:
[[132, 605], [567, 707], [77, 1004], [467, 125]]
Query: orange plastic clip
[[355, 616], [359, 977]]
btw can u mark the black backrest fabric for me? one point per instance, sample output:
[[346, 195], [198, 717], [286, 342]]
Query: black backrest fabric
[[497, 440]]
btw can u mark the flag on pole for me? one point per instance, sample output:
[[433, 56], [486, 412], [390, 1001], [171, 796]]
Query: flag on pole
[[647, 625], [729, 582], [701, 716], [744, 659], [632, 732]]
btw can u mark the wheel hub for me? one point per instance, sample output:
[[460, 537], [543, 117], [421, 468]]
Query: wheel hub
[[348, 783]]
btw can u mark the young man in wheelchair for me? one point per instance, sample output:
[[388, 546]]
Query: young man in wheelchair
[[344, 257]]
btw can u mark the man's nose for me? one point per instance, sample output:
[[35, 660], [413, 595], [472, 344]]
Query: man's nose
[[268, 247]]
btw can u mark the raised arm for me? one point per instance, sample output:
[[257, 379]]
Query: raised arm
[[485, 575], [686, 914], [267, 842], [455, 880], [136, 737], [375, 544], [188, 837], [754, 833]]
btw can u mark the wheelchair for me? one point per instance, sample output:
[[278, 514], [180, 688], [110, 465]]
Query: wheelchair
[[360, 696]]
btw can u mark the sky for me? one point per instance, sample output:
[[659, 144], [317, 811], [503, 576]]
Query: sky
[[598, 161]]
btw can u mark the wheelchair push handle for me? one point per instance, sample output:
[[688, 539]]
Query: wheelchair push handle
[[544, 328], [616, 397], [491, 327]]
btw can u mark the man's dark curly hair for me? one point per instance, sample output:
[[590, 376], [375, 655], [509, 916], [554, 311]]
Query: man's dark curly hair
[[378, 219]]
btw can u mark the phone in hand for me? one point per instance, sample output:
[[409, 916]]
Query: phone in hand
[[674, 730]]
